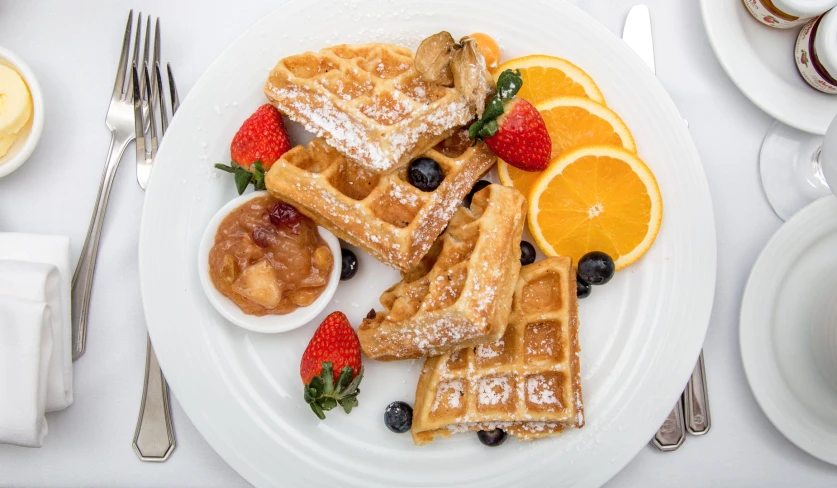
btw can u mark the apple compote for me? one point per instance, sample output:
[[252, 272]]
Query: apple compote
[[269, 259]]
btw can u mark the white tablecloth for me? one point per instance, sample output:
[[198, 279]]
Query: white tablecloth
[[73, 48]]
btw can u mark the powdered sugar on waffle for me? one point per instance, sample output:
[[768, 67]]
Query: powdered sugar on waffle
[[538, 392], [486, 351], [377, 129], [493, 391], [449, 394]]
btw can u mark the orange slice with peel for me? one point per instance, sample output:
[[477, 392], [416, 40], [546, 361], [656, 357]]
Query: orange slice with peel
[[572, 122], [546, 77], [596, 198]]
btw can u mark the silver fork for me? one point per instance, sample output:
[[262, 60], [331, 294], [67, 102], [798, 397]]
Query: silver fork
[[154, 436], [120, 121], [143, 162]]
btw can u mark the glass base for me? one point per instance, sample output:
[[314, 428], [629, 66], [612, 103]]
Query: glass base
[[790, 169]]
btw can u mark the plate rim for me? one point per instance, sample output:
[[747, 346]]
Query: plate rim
[[705, 297], [748, 319]]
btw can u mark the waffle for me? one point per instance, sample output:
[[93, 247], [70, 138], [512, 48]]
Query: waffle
[[368, 101], [460, 293], [527, 383], [384, 215]]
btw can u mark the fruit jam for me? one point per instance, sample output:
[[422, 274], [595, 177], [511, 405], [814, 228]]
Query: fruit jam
[[269, 259]]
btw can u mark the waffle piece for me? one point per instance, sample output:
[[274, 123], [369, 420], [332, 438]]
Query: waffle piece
[[368, 101], [527, 383], [384, 215], [460, 293]]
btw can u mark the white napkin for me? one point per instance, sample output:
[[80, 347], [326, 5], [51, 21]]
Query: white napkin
[[35, 278], [25, 354]]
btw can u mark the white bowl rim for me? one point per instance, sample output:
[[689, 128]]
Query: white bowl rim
[[268, 324], [37, 129]]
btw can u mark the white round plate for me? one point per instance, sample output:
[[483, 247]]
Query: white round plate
[[760, 61], [266, 324], [640, 334], [791, 287]]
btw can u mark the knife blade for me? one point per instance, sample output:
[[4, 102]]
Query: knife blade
[[637, 35]]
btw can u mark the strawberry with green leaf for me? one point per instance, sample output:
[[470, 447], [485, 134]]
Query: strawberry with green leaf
[[331, 367], [513, 128], [261, 140]]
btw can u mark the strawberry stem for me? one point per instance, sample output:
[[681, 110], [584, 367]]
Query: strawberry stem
[[508, 84], [323, 394], [243, 176]]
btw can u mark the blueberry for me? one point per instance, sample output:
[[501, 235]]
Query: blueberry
[[492, 438], [349, 265], [425, 174], [527, 253], [477, 187], [596, 268], [582, 288], [399, 417]]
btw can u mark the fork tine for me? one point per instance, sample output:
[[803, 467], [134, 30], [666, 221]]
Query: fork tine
[[134, 58], [119, 83], [145, 48], [155, 59], [156, 53], [164, 118], [152, 122], [175, 99], [139, 126]]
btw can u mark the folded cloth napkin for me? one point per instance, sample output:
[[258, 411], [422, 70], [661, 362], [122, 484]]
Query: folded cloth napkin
[[25, 354], [35, 279]]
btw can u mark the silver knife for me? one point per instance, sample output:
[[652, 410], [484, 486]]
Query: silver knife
[[637, 35], [691, 414]]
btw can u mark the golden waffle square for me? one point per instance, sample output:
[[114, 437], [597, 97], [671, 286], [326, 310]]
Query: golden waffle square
[[528, 383], [459, 295], [384, 215], [368, 101]]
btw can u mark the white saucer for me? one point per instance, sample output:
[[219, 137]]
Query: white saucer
[[760, 61], [790, 291]]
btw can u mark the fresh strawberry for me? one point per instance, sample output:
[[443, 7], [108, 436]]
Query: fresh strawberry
[[259, 142], [513, 128], [331, 369]]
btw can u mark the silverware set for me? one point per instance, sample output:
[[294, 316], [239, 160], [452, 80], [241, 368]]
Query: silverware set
[[691, 413], [137, 108]]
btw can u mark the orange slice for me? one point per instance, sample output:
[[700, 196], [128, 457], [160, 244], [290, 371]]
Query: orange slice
[[547, 77], [596, 198], [572, 122]]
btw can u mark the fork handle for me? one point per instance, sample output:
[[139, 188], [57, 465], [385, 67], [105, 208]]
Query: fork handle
[[154, 436], [83, 276], [696, 398]]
